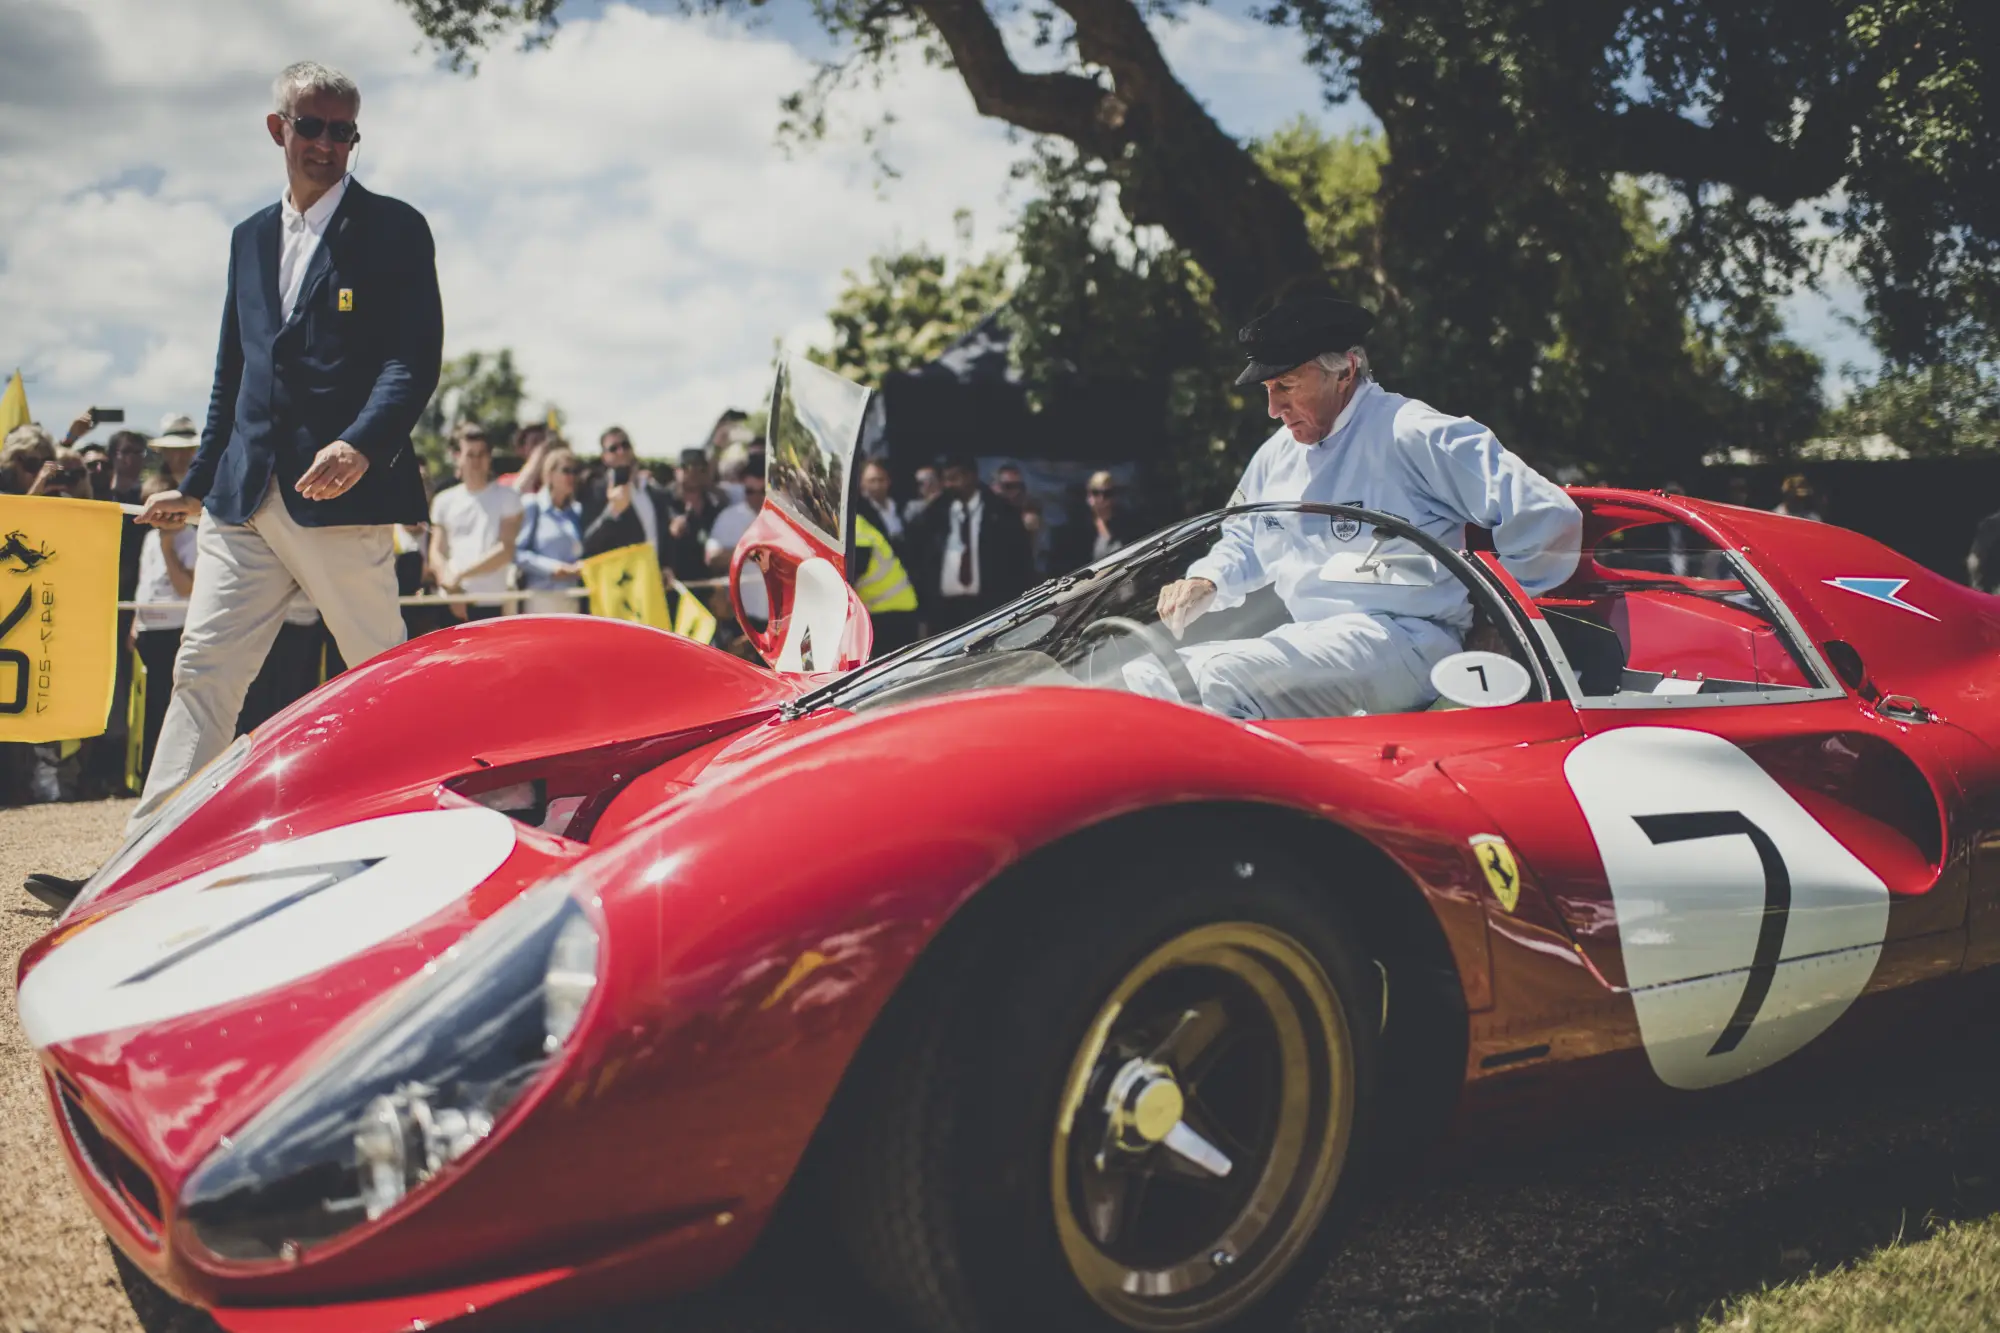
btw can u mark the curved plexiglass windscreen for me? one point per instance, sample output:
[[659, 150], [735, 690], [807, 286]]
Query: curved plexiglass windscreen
[[1272, 612], [815, 426]]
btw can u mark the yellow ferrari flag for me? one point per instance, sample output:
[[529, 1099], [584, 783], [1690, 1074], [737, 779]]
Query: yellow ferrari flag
[[14, 405], [58, 616], [625, 585], [692, 620]]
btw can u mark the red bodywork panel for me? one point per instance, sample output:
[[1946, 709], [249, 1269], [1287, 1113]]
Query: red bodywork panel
[[737, 980]]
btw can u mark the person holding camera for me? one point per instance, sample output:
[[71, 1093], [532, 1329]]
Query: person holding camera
[[624, 508]]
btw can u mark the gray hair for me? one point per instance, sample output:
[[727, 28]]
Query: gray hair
[[30, 437], [1335, 362], [304, 79]]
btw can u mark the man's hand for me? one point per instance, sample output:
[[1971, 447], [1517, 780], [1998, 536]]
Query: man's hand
[[79, 428], [618, 499], [168, 509], [677, 527], [1182, 601], [333, 473]]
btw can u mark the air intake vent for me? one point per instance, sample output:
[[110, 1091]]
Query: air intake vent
[[121, 1177]]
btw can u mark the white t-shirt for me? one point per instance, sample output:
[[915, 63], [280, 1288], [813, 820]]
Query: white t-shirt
[[471, 523], [154, 585], [728, 530]]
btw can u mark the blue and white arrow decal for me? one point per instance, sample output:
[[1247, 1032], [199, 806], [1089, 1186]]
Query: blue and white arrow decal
[[1880, 590]]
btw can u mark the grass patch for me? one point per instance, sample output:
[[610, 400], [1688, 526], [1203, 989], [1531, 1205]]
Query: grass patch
[[1948, 1281]]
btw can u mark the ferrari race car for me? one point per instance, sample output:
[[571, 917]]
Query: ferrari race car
[[532, 965]]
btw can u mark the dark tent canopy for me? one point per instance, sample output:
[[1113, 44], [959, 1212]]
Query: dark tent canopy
[[970, 400]]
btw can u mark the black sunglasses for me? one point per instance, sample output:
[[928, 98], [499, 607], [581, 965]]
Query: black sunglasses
[[1100, 491], [311, 127], [566, 471]]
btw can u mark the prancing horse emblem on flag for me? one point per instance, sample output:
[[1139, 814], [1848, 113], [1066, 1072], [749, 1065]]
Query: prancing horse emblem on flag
[[30, 558]]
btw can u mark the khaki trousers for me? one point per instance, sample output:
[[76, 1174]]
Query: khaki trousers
[[244, 575]]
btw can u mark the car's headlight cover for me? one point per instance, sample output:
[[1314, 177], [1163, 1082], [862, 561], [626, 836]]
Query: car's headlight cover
[[424, 1083], [190, 797]]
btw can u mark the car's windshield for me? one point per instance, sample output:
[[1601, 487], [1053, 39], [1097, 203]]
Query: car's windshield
[[1347, 612]]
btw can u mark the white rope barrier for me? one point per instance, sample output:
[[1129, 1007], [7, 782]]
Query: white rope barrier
[[512, 597], [461, 598]]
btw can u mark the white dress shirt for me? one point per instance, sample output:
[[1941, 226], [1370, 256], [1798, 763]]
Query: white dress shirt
[[885, 518], [299, 235], [950, 585]]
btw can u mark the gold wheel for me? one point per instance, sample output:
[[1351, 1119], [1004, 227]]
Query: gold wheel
[[1202, 1128]]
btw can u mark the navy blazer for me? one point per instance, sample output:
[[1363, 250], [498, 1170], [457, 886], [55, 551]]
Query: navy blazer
[[357, 361]]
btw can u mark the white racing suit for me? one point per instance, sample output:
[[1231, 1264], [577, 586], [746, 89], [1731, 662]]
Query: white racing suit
[[1365, 644]]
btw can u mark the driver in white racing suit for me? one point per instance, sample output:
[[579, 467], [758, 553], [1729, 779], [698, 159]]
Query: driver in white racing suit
[[1357, 643]]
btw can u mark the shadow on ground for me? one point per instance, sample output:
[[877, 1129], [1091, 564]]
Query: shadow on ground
[[1627, 1227]]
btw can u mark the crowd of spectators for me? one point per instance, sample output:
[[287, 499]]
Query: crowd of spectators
[[515, 543]]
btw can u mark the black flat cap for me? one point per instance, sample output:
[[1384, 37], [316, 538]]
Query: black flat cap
[[1295, 331]]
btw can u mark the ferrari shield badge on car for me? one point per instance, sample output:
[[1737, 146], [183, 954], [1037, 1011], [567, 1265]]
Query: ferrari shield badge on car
[[1503, 874]]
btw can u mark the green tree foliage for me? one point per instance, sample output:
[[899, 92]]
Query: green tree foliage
[[485, 387], [1948, 408], [1503, 235], [906, 310], [1508, 124], [1624, 385]]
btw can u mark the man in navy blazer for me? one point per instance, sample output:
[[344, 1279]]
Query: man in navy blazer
[[353, 365], [332, 332]]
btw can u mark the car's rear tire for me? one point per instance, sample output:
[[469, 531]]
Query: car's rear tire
[[1018, 1157]]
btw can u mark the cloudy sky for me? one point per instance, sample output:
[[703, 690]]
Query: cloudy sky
[[614, 208]]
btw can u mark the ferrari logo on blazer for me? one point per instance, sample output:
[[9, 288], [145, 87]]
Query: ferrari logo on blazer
[[347, 298]]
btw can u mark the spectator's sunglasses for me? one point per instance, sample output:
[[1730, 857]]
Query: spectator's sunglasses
[[311, 127], [1104, 491], [568, 471], [618, 447]]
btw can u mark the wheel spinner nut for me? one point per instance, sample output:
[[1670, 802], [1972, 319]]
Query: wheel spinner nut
[[1157, 1108]]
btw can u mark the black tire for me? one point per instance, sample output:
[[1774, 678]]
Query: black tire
[[156, 1311], [973, 1204]]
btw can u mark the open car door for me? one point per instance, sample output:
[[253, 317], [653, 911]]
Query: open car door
[[798, 543]]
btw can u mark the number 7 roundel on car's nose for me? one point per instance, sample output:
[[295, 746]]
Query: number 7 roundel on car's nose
[[1745, 926]]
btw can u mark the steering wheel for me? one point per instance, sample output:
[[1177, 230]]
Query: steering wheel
[[1156, 642]]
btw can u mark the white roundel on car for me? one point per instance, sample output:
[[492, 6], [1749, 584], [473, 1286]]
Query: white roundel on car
[[1480, 680], [1746, 927], [284, 912]]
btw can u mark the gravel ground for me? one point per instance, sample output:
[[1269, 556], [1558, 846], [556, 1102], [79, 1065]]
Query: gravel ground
[[1644, 1227], [56, 1274]]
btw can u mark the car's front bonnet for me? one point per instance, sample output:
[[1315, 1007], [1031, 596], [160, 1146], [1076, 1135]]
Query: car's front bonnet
[[171, 1018]]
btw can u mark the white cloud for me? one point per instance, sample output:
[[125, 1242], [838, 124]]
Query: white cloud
[[614, 208], [1251, 76]]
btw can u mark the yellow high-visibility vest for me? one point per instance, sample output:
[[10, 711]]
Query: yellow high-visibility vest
[[883, 586]]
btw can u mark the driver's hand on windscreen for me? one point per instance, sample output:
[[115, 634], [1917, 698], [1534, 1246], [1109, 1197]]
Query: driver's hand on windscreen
[[1182, 601]]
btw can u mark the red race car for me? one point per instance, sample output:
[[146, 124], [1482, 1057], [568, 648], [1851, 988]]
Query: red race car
[[531, 965]]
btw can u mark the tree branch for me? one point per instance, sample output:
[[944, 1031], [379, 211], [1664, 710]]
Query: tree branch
[[1067, 105], [1651, 141]]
